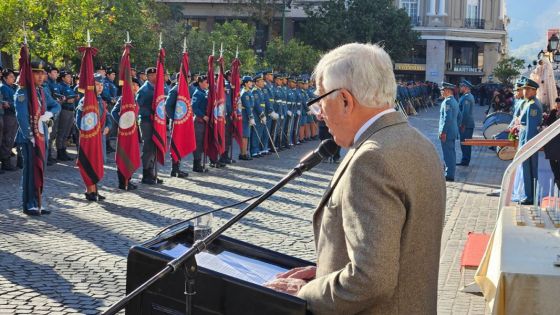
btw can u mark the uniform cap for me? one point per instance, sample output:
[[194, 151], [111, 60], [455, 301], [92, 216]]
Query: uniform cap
[[246, 79], [446, 85], [531, 84], [466, 83], [151, 70], [37, 66], [98, 78]]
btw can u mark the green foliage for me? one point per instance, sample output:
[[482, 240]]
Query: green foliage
[[292, 57], [338, 22], [508, 68]]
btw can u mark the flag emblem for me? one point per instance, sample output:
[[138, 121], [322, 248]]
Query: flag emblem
[[89, 121], [180, 110], [161, 109], [127, 120]]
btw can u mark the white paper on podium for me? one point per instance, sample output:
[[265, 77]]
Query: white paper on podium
[[231, 264]]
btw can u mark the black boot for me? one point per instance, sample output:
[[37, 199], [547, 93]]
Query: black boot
[[61, 155], [92, 196], [197, 167], [176, 172], [148, 177]]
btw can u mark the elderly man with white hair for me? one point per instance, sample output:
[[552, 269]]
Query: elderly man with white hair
[[378, 226]]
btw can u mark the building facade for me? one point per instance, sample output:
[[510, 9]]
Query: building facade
[[459, 39]]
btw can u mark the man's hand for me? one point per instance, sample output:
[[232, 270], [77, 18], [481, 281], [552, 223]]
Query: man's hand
[[106, 131], [252, 122], [443, 137], [5, 105], [286, 285], [289, 113], [205, 118], [263, 120], [303, 273], [299, 112]]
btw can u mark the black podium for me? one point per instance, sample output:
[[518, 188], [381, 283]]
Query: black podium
[[228, 279]]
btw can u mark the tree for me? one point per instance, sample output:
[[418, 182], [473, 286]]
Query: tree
[[292, 57], [508, 68], [337, 22]]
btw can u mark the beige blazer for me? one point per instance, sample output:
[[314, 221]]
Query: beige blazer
[[378, 227]]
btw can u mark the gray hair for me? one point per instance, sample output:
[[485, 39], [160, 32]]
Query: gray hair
[[365, 70]]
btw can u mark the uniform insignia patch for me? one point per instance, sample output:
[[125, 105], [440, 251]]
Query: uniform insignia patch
[[21, 98], [533, 112]]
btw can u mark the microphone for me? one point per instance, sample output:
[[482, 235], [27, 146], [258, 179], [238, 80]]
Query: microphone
[[326, 149]]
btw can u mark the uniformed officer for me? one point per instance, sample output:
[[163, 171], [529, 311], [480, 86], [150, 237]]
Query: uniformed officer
[[466, 127], [271, 114], [247, 104], [304, 122], [52, 90], [9, 120], [259, 112], [291, 113], [225, 157], [311, 119], [170, 106], [448, 129], [32, 204], [125, 183], [280, 108], [530, 119], [144, 98], [199, 106], [92, 193], [66, 117]]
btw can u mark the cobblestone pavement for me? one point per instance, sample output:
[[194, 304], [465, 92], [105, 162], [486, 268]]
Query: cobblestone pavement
[[73, 261]]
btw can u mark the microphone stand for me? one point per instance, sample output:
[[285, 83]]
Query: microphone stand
[[187, 259]]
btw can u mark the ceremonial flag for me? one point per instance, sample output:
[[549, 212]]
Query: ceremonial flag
[[219, 112], [183, 140], [127, 156], [159, 135], [90, 153], [35, 112], [209, 139], [236, 115]]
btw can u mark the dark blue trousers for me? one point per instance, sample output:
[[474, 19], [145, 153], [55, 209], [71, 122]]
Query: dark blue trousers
[[466, 149], [530, 173]]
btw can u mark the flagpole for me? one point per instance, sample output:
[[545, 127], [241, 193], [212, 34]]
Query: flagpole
[[157, 150], [208, 122]]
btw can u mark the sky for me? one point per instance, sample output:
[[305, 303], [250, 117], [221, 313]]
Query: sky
[[529, 21]]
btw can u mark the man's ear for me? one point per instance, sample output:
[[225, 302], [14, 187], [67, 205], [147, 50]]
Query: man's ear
[[348, 101]]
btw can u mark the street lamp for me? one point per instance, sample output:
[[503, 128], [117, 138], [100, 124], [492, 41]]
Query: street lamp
[[553, 42], [557, 56]]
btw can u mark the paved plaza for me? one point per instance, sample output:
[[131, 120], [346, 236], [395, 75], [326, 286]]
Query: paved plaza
[[73, 261]]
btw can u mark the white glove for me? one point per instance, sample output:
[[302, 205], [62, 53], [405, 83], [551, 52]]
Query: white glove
[[252, 122], [289, 113], [33, 140], [263, 120], [282, 117], [46, 116], [274, 116], [299, 112]]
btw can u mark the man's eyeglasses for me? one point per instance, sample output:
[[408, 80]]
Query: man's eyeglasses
[[313, 104]]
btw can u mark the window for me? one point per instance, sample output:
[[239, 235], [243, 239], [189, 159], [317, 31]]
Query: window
[[411, 7], [473, 9]]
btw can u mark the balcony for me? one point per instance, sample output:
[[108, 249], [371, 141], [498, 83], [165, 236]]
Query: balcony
[[415, 21], [474, 23]]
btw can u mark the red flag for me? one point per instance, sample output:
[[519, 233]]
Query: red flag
[[236, 115], [158, 105], [183, 141], [218, 115], [90, 154], [127, 156], [209, 143], [35, 112]]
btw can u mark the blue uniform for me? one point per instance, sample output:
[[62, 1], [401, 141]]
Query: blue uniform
[[259, 111], [291, 102], [109, 93], [54, 88], [247, 104], [530, 119], [449, 112], [466, 103], [102, 112], [199, 107], [30, 198], [268, 96], [144, 99]]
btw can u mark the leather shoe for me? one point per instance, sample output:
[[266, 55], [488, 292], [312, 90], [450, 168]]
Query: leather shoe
[[91, 196], [449, 179], [159, 181], [32, 211], [45, 211], [148, 180], [99, 197], [526, 202], [462, 164], [131, 186]]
